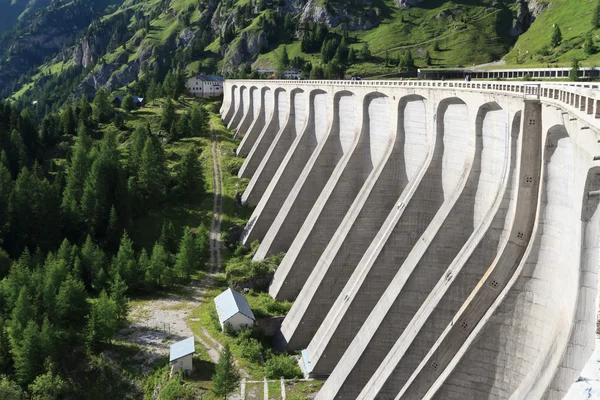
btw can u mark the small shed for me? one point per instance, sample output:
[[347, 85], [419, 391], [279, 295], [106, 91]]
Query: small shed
[[138, 101], [181, 355], [233, 309]]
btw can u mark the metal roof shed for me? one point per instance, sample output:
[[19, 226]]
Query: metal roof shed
[[233, 309], [181, 355]]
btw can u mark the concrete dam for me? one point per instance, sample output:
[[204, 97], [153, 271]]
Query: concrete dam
[[441, 237]]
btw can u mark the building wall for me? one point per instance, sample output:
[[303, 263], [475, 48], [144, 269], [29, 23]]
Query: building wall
[[200, 88], [183, 363], [237, 321]]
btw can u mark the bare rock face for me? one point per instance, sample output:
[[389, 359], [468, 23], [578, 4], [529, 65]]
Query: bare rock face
[[338, 13], [529, 10]]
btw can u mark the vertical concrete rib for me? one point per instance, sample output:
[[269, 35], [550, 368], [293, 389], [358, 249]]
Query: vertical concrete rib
[[316, 172], [439, 189], [250, 112], [290, 170], [229, 104], [410, 154], [422, 384], [373, 145], [492, 204], [263, 108], [428, 260], [268, 134], [294, 124], [241, 104]]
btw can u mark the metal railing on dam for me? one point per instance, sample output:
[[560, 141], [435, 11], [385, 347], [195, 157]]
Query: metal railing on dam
[[441, 237]]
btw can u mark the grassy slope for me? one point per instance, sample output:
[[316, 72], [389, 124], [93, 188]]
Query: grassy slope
[[461, 37], [574, 19]]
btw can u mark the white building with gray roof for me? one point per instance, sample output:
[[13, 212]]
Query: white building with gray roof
[[233, 309]]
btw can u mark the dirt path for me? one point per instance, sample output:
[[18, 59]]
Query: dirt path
[[217, 216], [158, 323]]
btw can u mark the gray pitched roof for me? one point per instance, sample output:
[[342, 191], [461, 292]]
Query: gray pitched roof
[[182, 349], [209, 78], [230, 303]]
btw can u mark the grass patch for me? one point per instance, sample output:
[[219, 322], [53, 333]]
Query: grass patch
[[300, 390]]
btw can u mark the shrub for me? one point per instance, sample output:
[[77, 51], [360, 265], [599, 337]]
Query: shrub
[[282, 365], [251, 349]]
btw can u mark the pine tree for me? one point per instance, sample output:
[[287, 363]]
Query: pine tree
[[596, 16], [365, 52], [189, 174], [125, 264], [351, 56], [226, 376], [153, 174], [7, 184], [136, 147], [590, 47], [21, 314], [556, 36], [199, 121], [102, 322], [102, 108], [71, 305], [202, 245], [5, 356], [101, 185], [128, 104], [77, 174], [112, 231], [68, 122], [168, 238], [28, 355], [187, 258], [427, 58], [118, 291], [167, 116], [92, 264], [574, 72], [143, 267], [285, 58], [183, 127], [158, 273]]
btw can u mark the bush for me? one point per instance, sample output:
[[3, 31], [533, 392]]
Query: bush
[[282, 365], [264, 305], [251, 349], [173, 389]]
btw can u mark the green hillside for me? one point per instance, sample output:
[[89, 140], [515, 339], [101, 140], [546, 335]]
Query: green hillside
[[574, 18]]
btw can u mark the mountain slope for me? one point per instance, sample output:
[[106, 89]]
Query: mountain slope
[[115, 44]]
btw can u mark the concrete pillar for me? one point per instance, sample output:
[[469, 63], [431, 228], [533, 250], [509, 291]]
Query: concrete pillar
[[263, 109], [250, 112], [288, 172], [240, 109], [229, 104], [336, 132], [336, 198], [443, 353], [462, 274], [268, 134], [444, 180], [407, 162], [423, 268], [294, 123]]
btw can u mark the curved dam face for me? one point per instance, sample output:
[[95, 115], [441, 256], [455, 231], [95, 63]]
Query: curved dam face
[[441, 239]]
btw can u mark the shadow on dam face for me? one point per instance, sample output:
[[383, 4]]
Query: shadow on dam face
[[453, 153]]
